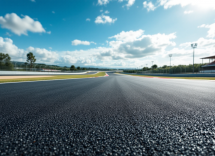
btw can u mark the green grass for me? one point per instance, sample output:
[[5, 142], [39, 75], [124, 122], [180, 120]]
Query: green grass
[[191, 78], [54, 77]]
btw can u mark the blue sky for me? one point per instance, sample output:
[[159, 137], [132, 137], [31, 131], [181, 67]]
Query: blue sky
[[107, 33]]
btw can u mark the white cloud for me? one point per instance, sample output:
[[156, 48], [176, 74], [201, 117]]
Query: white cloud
[[19, 25], [149, 6], [184, 54], [188, 12], [104, 19], [79, 42], [136, 45], [203, 4], [200, 3], [130, 3], [103, 2], [88, 19], [107, 12], [7, 46], [53, 12], [47, 56], [101, 10], [202, 44], [211, 31], [33, 1], [81, 57], [44, 55], [128, 36], [49, 32]]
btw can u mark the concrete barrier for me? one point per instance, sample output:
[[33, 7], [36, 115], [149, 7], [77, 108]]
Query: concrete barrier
[[37, 73], [207, 71], [179, 75]]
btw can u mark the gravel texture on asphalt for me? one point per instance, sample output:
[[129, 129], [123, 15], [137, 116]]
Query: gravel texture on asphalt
[[115, 115]]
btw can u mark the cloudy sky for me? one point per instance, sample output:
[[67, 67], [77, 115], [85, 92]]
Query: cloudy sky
[[107, 33]]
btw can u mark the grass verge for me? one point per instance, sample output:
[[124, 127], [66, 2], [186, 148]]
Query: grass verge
[[54, 77], [169, 77]]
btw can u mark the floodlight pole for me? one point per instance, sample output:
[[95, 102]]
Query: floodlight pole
[[152, 65], [193, 60], [194, 45], [170, 55]]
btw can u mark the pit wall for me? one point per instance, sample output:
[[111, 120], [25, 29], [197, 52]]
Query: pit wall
[[207, 71]]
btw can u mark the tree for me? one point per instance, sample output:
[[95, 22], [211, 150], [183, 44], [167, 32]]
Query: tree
[[72, 67], [145, 68], [31, 58], [5, 60], [154, 66], [164, 66], [79, 68]]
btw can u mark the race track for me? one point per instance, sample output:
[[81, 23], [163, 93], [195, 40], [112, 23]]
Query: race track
[[115, 115]]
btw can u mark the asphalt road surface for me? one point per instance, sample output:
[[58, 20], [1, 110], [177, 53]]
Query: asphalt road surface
[[115, 115]]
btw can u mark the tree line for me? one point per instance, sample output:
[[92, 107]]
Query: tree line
[[7, 64], [5, 61], [72, 68], [168, 69]]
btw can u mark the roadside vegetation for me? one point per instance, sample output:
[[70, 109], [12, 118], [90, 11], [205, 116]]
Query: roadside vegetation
[[30, 65], [54, 77], [167, 69], [5, 62]]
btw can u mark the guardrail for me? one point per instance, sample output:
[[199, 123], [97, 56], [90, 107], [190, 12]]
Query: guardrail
[[38, 73], [178, 75]]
